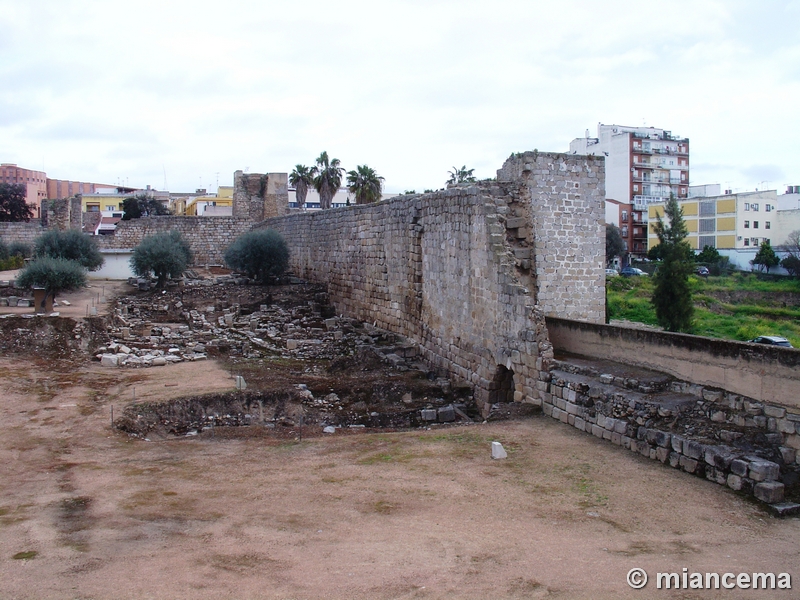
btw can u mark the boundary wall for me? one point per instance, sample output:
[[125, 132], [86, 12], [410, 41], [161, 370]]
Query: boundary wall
[[208, 237], [458, 270], [763, 373], [24, 232]]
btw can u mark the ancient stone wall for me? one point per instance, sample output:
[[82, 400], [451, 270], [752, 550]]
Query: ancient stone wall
[[24, 233], [259, 196], [456, 270], [208, 237], [565, 195]]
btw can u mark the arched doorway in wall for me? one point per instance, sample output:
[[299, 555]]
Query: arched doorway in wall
[[501, 388]]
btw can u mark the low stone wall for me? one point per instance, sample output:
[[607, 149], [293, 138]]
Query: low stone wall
[[749, 446], [208, 237], [25, 233], [763, 373]]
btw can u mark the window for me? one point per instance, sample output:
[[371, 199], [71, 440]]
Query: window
[[755, 206], [707, 240], [746, 241], [755, 224], [766, 224], [706, 208], [624, 215], [747, 206], [635, 188], [708, 225], [768, 207], [754, 241], [767, 241], [747, 224]]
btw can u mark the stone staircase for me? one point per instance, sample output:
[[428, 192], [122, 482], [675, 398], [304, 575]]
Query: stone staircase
[[726, 438]]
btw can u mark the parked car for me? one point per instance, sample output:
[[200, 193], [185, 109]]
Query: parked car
[[611, 273], [632, 272], [772, 340], [702, 271]]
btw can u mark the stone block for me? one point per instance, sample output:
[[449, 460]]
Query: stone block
[[662, 454], [498, 452], [428, 414], [580, 424], [626, 441], [109, 360], [774, 411], [620, 426], [616, 438], [769, 491], [786, 426], [446, 414], [677, 444], [688, 464], [789, 455], [739, 467], [764, 470], [693, 449], [734, 482], [597, 431], [674, 459]]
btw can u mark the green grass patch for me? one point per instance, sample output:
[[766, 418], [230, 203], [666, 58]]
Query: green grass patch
[[761, 314], [27, 555]]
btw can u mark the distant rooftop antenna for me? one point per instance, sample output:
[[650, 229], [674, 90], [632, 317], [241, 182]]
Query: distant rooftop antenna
[[166, 187]]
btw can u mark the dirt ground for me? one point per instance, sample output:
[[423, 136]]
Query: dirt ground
[[88, 512]]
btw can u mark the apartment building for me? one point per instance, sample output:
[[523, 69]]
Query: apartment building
[[35, 183], [38, 186], [632, 222], [644, 165], [735, 224]]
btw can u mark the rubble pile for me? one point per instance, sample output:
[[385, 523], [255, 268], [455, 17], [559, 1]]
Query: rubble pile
[[199, 324]]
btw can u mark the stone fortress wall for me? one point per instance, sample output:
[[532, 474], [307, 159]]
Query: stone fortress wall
[[460, 270]]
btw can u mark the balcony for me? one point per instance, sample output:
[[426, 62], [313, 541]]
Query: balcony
[[648, 199]]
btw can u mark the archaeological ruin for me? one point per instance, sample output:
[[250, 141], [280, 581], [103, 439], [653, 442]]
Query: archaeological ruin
[[501, 286]]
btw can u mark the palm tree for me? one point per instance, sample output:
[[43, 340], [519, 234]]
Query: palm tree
[[462, 175], [365, 184], [328, 179], [301, 178]]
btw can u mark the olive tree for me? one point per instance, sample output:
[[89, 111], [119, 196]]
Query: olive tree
[[163, 255], [70, 245], [55, 275], [260, 254]]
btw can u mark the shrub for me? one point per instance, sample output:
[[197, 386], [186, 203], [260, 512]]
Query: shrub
[[163, 254], [55, 275], [19, 249], [70, 245], [259, 254]]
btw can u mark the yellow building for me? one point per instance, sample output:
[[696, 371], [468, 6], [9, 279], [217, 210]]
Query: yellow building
[[211, 205], [734, 224]]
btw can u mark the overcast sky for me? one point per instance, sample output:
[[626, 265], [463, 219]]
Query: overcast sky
[[144, 92]]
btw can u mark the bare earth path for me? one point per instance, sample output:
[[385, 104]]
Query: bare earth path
[[423, 514]]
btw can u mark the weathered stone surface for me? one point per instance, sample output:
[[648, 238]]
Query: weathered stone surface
[[764, 470], [498, 451], [769, 491]]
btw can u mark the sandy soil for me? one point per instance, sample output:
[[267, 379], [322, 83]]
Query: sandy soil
[[97, 294], [422, 514]]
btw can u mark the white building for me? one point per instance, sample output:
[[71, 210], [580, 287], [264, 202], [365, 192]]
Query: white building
[[643, 164]]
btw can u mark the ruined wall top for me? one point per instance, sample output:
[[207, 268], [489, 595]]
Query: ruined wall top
[[259, 196]]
